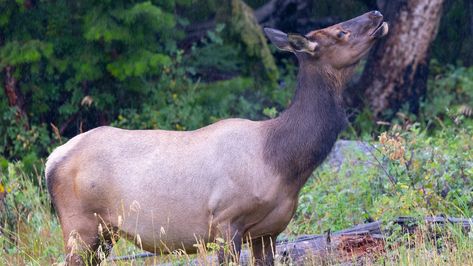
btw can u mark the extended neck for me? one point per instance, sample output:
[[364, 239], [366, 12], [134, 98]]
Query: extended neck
[[303, 135]]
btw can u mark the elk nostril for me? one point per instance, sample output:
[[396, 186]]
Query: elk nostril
[[376, 13]]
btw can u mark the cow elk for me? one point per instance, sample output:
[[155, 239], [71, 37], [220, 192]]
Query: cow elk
[[235, 179]]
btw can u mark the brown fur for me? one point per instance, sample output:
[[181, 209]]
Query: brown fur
[[302, 136]]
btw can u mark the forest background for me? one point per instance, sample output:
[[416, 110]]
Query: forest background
[[69, 66]]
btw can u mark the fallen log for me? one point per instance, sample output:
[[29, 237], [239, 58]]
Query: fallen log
[[363, 241]]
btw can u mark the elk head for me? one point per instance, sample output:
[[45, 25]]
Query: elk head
[[339, 46]]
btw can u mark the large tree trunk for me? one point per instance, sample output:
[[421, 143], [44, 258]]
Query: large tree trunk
[[397, 69]]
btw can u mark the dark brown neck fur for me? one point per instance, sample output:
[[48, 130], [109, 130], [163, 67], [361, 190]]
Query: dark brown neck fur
[[303, 135]]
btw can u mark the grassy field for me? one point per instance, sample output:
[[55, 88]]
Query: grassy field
[[407, 173]]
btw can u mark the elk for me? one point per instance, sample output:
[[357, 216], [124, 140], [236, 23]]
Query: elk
[[235, 179]]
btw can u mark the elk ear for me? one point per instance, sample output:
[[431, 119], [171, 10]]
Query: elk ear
[[291, 42], [278, 38], [301, 44]]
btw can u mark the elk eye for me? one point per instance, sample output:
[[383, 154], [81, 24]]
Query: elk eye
[[341, 34]]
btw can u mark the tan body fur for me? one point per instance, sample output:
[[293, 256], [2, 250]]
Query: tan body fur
[[167, 179]]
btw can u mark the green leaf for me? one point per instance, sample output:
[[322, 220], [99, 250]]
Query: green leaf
[[15, 53]]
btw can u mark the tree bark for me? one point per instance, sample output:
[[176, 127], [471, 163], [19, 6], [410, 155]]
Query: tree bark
[[243, 26], [397, 69], [14, 95]]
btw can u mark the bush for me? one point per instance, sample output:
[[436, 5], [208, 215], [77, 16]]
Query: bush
[[20, 143], [409, 173], [190, 106], [449, 96]]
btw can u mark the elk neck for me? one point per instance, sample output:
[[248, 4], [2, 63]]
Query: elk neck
[[303, 135]]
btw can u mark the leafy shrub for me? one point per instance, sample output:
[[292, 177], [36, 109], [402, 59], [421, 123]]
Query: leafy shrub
[[449, 90], [409, 173], [212, 59], [190, 106], [20, 143], [448, 102]]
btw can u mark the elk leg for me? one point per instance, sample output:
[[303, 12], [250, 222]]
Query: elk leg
[[264, 249], [83, 242], [233, 238]]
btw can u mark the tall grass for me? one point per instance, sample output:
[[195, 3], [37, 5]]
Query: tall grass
[[30, 232], [448, 246]]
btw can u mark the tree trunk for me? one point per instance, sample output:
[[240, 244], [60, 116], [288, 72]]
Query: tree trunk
[[397, 69], [14, 95], [243, 26]]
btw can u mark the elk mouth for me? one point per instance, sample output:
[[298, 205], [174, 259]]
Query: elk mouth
[[381, 30]]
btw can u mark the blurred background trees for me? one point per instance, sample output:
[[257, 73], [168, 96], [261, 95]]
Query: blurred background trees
[[69, 66]]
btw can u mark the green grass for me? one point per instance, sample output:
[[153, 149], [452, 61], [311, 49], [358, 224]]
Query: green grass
[[30, 232], [408, 173]]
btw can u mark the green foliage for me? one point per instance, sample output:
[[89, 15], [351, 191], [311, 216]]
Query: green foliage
[[91, 42], [270, 112], [63, 52], [187, 108], [449, 89], [409, 173], [15, 53], [21, 143], [454, 39], [448, 103], [212, 57]]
